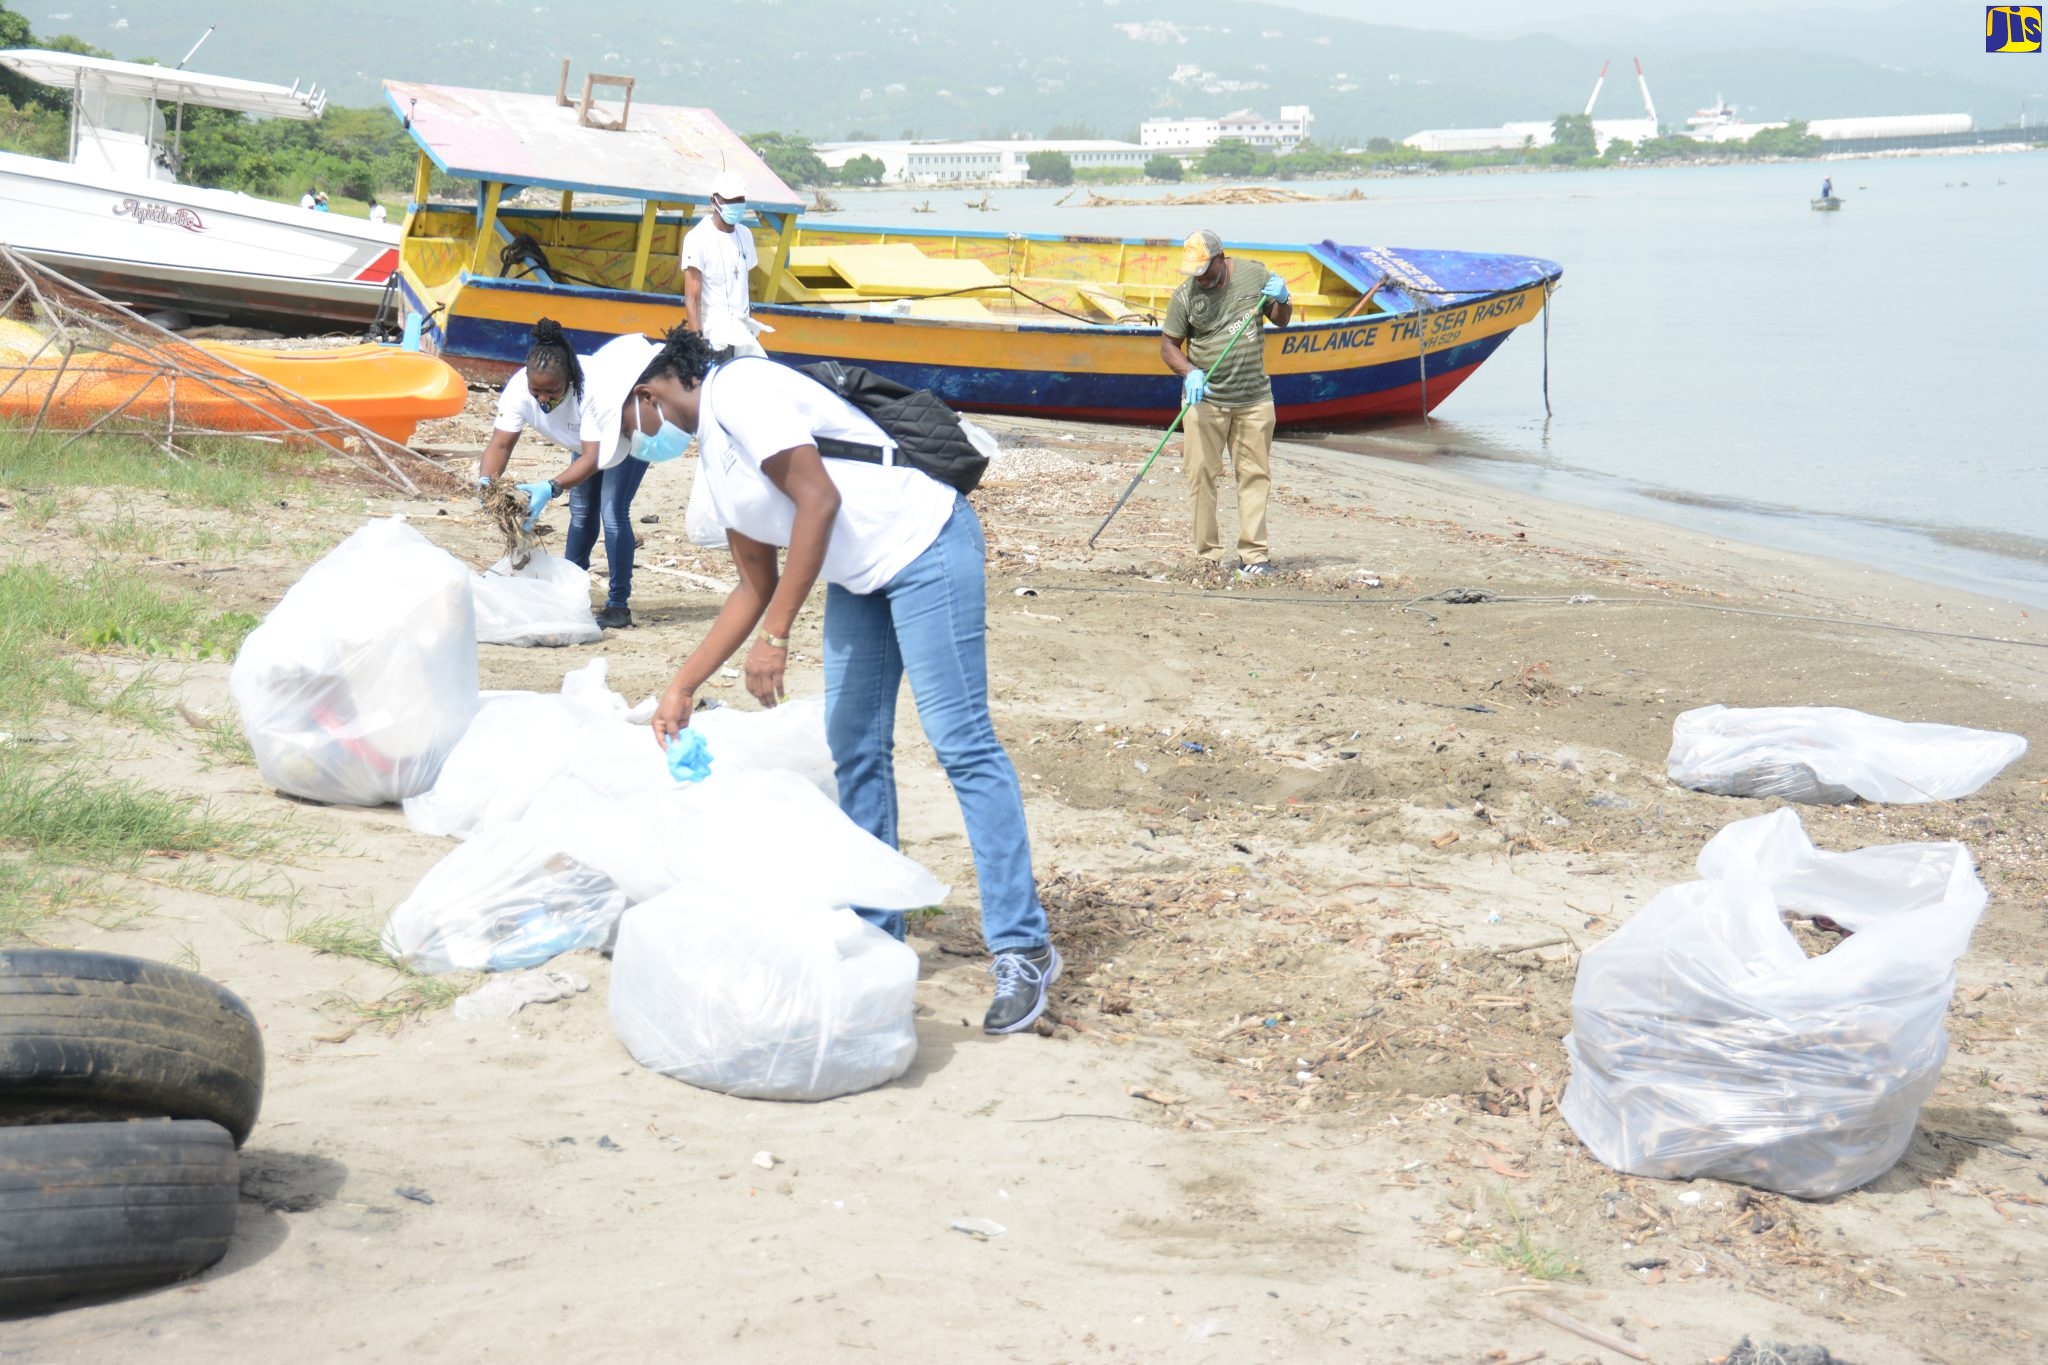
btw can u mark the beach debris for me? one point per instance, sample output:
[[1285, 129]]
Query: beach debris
[[504, 996], [1208, 1329], [765, 1160], [1778, 1353], [981, 1229], [605, 1144], [1159, 1097], [505, 508], [1558, 1318], [414, 1193]]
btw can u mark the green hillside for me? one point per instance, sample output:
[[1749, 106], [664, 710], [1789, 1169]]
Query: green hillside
[[828, 69]]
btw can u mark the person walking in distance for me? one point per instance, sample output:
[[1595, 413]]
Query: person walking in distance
[[1229, 399]]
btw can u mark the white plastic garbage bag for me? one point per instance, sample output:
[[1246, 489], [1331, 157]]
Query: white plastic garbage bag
[[499, 902], [545, 604], [790, 737], [1705, 1042], [701, 522], [781, 999], [1828, 755], [523, 743], [364, 676], [732, 834]]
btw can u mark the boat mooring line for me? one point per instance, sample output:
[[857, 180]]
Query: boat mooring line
[[1483, 597]]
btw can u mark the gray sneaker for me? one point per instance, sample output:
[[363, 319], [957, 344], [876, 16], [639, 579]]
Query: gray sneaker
[[1022, 976], [1259, 570]]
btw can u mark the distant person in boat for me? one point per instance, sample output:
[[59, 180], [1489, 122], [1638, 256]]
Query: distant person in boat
[[902, 556], [1827, 187], [309, 199], [552, 397], [1229, 399], [717, 254], [378, 213]]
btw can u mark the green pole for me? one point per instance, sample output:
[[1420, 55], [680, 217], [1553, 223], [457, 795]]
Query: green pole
[[1168, 434]]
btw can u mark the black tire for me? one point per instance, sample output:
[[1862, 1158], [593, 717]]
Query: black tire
[[95, 1036], [91, 1207]]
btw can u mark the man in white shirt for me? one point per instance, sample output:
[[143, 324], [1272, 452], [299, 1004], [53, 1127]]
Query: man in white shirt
[[378, 213], [717, 255], [307, 200]]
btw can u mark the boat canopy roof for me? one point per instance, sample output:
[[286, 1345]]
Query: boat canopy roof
[[666, 152], [72, 71]]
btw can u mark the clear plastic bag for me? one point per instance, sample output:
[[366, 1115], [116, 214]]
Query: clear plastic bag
[[522, 743], [502, 901], [546, 604], [1830, 755], [784, 1000], [1705, 1042], [364, 676], [731, 834]]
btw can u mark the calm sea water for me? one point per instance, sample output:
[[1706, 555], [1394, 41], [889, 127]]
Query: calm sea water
[[1864, 384]]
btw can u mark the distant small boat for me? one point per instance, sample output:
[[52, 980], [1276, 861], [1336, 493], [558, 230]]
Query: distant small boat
[[1831, 204]]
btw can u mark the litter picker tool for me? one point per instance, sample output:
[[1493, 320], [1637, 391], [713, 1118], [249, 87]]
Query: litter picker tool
[[1168, 433]]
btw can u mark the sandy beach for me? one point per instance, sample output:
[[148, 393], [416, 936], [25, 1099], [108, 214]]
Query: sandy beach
[[1323, 853]]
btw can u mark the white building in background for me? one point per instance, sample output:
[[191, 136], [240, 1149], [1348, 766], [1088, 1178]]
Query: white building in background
[[1193, 136], [933, 163]]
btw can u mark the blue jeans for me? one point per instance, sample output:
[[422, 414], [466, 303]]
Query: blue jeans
[[606, 498], [931, 622]]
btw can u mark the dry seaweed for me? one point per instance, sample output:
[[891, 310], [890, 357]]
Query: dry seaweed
[[505, 506]]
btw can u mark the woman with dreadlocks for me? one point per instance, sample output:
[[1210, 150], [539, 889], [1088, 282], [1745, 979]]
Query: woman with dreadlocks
[[902, 558], [549, 396]]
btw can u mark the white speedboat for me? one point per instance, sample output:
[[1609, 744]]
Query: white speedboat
[[114, 217]]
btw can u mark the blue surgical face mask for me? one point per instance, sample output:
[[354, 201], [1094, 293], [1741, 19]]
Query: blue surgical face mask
[[733, 213], [663, 445]]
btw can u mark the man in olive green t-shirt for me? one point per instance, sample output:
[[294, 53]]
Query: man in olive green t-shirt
[[1229, 405]]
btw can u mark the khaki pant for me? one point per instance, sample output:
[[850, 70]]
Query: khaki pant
[[1248, 434]]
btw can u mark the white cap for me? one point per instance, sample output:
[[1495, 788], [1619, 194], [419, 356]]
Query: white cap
[[608, 377], [728, 185]]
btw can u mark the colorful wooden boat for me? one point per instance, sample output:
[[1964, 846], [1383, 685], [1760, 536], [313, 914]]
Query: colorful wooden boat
[[997, 322]]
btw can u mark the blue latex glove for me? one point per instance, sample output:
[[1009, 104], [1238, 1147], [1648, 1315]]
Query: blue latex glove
[[1194, 386], [689, 757], [483, 485], [538, 495], [1276, 289]]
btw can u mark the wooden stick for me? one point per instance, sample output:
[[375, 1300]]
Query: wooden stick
[[1584, 1329]]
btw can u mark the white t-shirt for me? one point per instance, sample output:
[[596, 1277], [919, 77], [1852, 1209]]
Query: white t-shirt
[[754, 409], [306, 200], [724, 258], [517, 411], [378, 213]]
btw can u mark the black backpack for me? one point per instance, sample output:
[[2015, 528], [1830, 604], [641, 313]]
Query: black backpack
[[928, 434]]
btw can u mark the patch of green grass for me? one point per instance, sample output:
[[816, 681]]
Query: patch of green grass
[[1528, 1257], [66, 811], [224, 742], [123, 532], [415, 996], [114, 608], [31, 891], [219, 471], [338, 935]]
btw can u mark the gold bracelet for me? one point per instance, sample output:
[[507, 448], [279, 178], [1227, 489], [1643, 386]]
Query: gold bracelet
[[774, 641]]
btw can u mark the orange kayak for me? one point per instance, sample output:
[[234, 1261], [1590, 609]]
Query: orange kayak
[[379, 387]]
